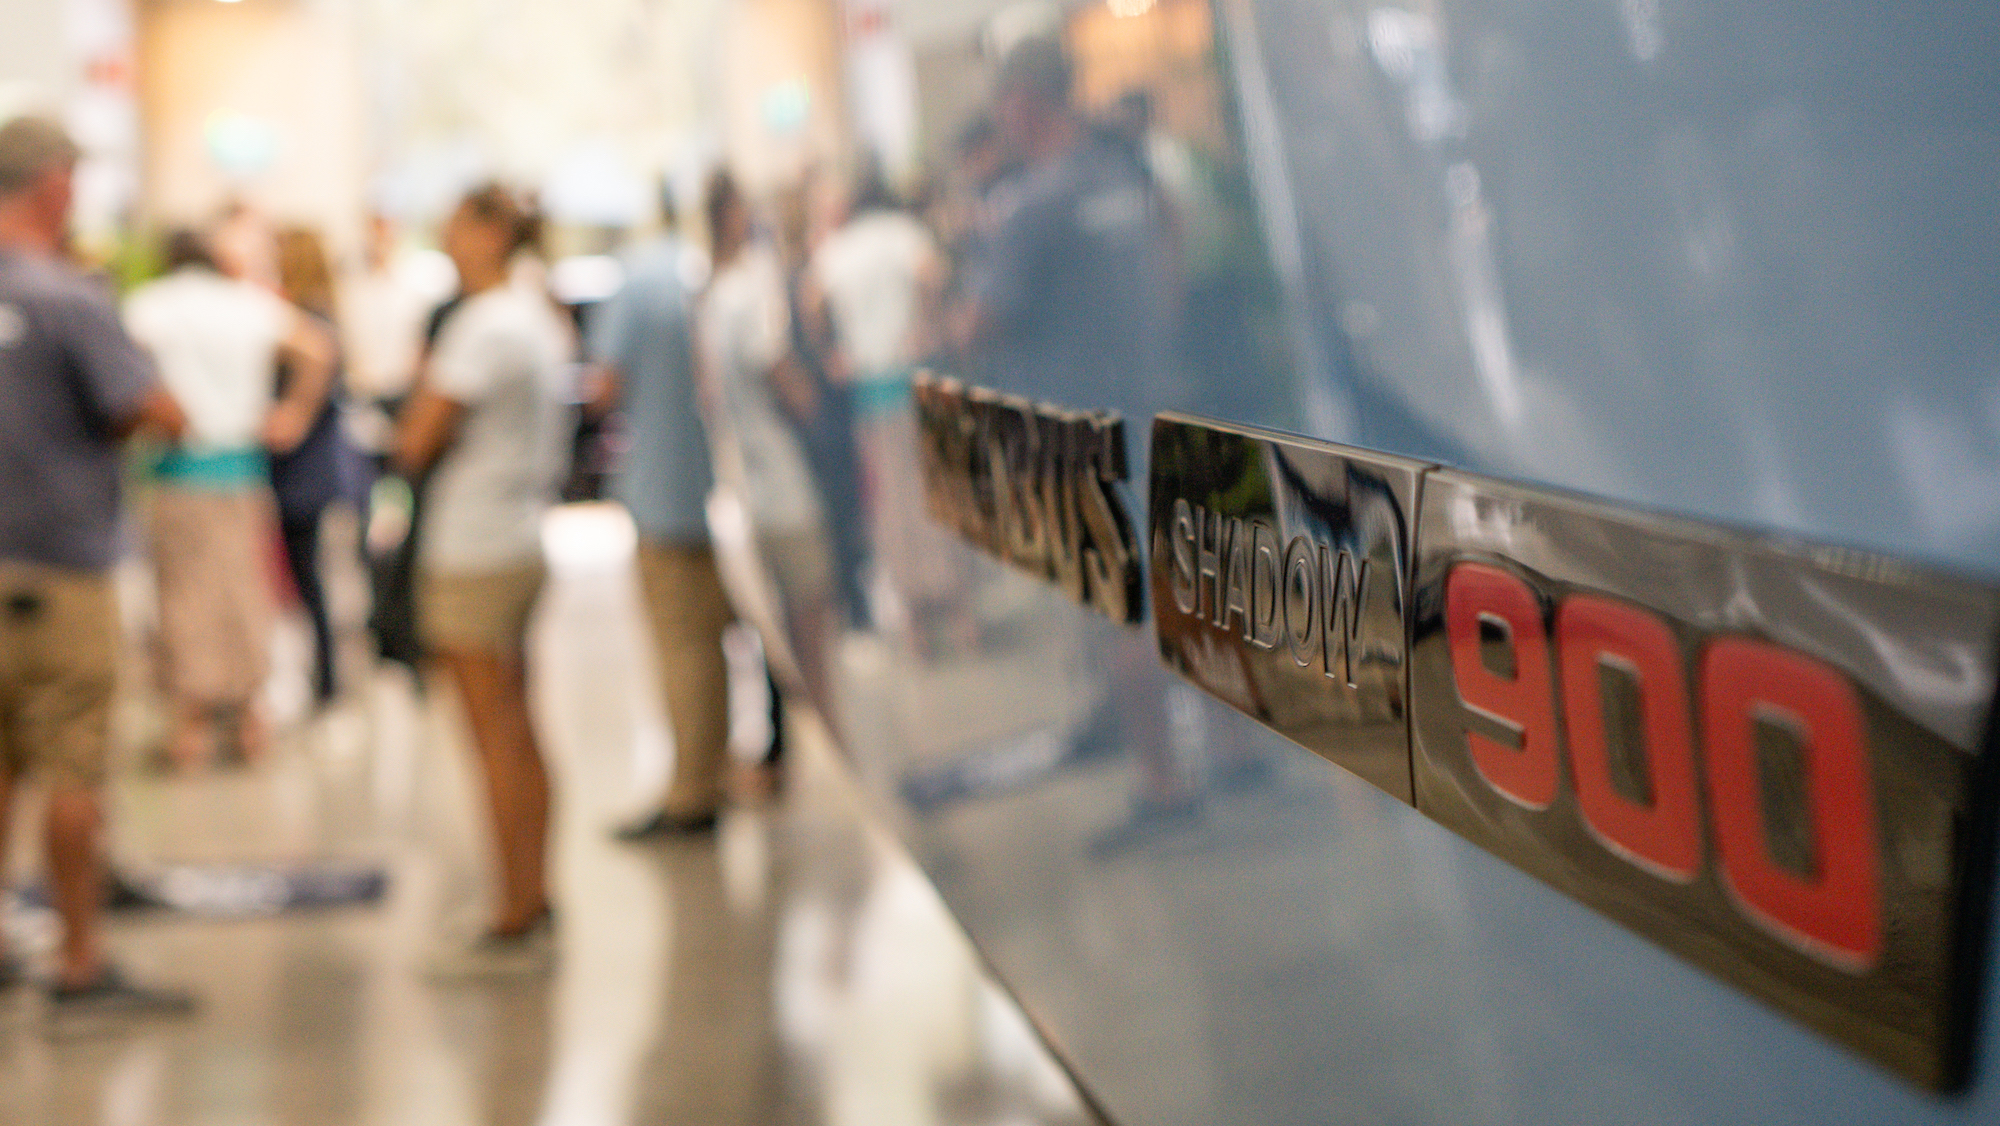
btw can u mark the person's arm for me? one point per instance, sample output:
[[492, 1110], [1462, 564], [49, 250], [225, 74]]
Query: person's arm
[[456, 376], [927, 327], [425, 429], [794, 386], [816, 315], [159, 415], [121, 382], [308, 349], [609, 340], [768, 349], [603, 389], [1005, 287]]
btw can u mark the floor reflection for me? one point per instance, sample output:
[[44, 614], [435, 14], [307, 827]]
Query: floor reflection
[[796, 970]]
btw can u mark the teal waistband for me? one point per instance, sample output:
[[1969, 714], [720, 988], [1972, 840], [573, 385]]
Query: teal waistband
[[882, 392], [213, 468]]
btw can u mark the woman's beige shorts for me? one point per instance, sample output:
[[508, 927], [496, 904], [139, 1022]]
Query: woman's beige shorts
[[481, 611]]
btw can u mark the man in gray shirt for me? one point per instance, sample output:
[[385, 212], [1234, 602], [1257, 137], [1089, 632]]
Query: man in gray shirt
[[1070, 301], [641, 340], [73, 386]]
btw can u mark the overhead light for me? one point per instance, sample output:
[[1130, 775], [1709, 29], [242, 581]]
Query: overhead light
[[1124, 8]]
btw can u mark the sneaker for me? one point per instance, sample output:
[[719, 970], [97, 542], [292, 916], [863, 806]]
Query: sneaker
[[493, 955], [665, 826], [110, 1001], [123, 893]]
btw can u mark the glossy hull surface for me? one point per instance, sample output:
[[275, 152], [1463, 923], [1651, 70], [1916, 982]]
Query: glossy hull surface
[[1732, 263]]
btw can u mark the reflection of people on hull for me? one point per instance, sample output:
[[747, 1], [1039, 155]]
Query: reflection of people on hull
[[808, 215], [877, 278], [1070, 302], [743, 348], [959, 213]]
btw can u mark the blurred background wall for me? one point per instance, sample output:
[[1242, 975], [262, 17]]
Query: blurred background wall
[[75, 58], [324, 111], [257, 100], [321, 111]]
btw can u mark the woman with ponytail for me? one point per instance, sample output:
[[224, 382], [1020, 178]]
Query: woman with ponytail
[[489, 419]]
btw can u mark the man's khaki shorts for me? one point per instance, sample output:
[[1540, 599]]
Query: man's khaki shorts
[[479, 611], [58, 670]]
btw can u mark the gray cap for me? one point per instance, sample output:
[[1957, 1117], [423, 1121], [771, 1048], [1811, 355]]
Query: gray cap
[[28, 145], [1039, 64]]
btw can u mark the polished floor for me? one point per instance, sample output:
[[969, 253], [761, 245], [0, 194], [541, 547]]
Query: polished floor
[[796, 969]]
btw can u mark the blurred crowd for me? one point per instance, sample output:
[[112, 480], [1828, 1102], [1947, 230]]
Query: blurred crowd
[[768, 359]]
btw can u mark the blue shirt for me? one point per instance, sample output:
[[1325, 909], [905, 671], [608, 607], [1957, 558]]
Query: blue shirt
[[665, 476]]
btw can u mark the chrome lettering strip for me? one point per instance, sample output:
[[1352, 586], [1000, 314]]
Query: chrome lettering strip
[[1775, 759], [1768, 757], [1279, 576], [1034, 486]]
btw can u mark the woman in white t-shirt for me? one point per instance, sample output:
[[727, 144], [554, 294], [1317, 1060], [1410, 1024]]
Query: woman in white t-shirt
[[753, 389], [878, 279], [218, 339], [489, 420], [743, 327]]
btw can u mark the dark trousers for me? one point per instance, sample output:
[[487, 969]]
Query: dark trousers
[[302, 552], [775, 755]]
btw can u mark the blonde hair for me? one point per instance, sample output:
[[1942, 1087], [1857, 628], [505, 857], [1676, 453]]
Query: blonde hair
[[304, 274]]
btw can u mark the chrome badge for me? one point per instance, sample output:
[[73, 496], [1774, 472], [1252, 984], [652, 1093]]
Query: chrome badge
[[1279, 576], [1768, 757], [1773, 758], [1035, 486]]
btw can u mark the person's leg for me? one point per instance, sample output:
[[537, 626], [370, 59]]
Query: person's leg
[[774, 755], [59, 691], [182, 568], [688, 610], [76, 880], [247, 610], [803, 569], [301, 534], [64, 724], [10, 965], [494, 687], [394, 619], [16, 649], [15, 644]]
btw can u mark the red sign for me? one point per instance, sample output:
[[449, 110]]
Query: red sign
[[1832, 911], [1763, 755]]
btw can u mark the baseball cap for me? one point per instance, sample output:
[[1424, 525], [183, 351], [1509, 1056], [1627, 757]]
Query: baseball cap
[[28, 145]]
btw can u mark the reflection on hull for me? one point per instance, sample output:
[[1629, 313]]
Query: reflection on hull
[[1033, 485], [1710, 260], [1736, 773], [1279, 569]]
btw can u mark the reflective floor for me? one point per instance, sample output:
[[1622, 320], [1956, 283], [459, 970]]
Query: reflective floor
[[797, 969]]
